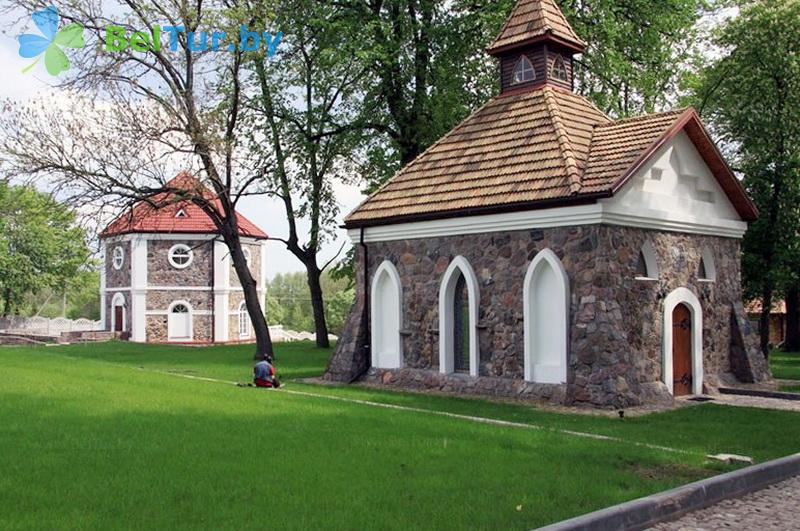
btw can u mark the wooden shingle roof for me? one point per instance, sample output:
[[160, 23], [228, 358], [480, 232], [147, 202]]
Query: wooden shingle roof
[[543, 147], [533, 20]]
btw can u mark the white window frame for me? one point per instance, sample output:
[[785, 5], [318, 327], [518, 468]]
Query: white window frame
[[118, 257], [245, 328], [387, 271], [648, 251], [446, 316], [180, 247], [247, 255], [559, 66], [522, 66], [550, 374], [190, 313], [709, 265]]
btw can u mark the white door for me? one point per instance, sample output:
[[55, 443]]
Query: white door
[[179, 324], [386, 319]]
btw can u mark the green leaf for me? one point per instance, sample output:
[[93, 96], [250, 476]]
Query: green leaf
[[55, 60], [71, 36]]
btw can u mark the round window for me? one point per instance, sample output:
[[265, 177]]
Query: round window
[[180, 256], [118, 257]]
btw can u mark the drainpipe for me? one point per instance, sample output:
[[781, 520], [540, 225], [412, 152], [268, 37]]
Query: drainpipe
[[365, 312]]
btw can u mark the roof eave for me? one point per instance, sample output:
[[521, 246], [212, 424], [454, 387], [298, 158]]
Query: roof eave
[[575, 46], [572, 200]]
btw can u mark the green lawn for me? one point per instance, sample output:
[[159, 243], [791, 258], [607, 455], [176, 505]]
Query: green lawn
[[786, 366], [87, 440]]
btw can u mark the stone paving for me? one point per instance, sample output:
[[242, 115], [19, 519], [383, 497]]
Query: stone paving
[[757, 401], [774, 508]]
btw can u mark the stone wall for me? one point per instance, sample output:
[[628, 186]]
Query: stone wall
[[157, 332], [615, 320], [118, 278], [161, 273], [161, 300]]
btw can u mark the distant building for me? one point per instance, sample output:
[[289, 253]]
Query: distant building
[[168, 276], [544, 250], [777, 319]]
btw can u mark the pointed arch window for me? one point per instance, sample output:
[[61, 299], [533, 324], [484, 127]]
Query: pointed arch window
[[458, 319], [559, 70], [707, 270], [546, 319], [523, 71], [647, 263]]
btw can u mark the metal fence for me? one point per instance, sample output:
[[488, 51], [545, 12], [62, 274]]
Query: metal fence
[[47, 327]]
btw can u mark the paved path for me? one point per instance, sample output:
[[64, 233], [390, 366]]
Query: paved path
[[774, 508], [757, 401]]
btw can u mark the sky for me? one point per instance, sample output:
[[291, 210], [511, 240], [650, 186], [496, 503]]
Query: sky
[[266, 213]]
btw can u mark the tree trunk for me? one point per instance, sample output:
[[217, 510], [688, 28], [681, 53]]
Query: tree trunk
[[318, 305], [251, 298], [763, 323], [792, 338]]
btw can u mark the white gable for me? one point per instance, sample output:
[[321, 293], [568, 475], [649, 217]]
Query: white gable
[[676, 186]]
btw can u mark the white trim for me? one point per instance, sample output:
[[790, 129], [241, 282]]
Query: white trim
[[446, 324], [262, 285], [190, 313], [181, 288], [386, 268], [683, 296], [118, 300], [175, 236], [222, 272], [103, 316], [540, 373], [166, 312], [180, 247], [594, 214], [138, 323]]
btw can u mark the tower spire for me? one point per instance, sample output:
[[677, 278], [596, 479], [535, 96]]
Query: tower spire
[[534, 21]]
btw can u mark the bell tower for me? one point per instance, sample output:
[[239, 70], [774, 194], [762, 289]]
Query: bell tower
[[536, 47]]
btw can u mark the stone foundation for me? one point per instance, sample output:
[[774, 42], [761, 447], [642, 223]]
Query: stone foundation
[[615, 319]]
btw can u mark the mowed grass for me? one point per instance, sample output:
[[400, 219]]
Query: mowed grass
[[786, 366], [90, 441]]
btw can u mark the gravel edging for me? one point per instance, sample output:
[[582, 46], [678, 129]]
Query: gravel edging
[[671, 504], [782, 395]]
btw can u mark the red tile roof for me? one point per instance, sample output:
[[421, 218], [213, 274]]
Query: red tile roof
[[144, 217]]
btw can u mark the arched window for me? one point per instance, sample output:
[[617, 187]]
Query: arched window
[[707, 271], [458, 319], [559, 70], [180, 256], [387, 317], [523, 71], [546, 316], [647, 263], [244, 321], [118, 257], [247, 255]]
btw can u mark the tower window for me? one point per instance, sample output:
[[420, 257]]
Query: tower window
[[559, 70], [523, 71]]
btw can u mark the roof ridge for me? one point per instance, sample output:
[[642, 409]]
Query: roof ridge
[[640, 117], [570, 162]]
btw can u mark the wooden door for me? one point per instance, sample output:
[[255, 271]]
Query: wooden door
[[118, 319], [681, 350]]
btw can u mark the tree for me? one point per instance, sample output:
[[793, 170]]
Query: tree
[[308, 110], [137, 108], [752, 97], [41, 247], [288, 303]]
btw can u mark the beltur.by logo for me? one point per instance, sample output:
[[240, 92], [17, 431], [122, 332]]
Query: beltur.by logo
[[117, 40], [50, 41]]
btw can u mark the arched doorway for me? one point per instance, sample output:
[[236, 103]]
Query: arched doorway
[[546, 316], [682, 356], [387, 315], [118, 313], [179, 322], [681, 350]]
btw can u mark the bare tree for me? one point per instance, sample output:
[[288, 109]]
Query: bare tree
[[128, 117]]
